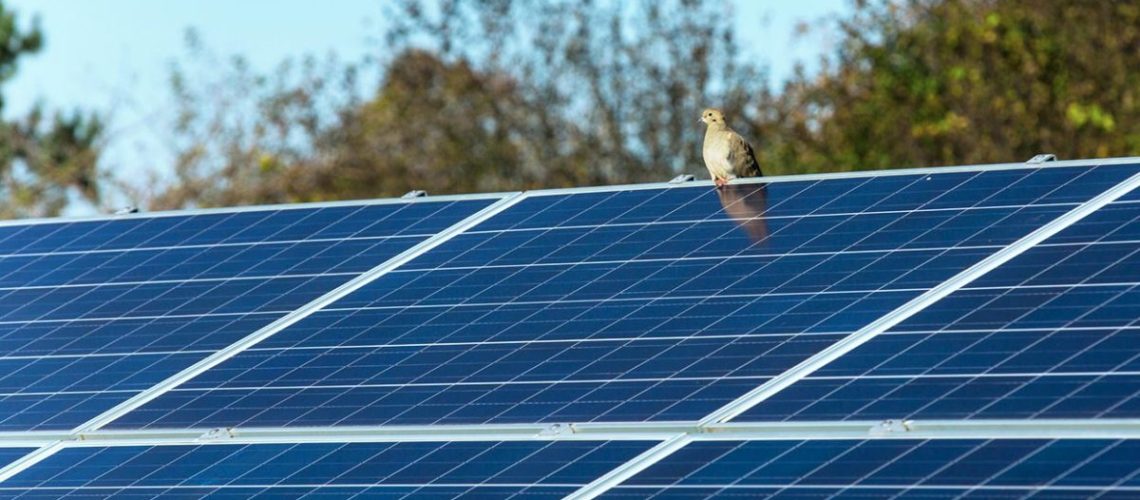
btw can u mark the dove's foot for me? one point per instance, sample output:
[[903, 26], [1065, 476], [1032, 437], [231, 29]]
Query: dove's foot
[[720, 182]]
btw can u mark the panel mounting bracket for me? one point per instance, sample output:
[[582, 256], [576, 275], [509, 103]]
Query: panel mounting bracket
[[217, 434], [556, 430], [1042, 158], [890, 426]]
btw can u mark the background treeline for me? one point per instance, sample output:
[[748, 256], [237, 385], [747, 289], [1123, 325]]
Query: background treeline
[[488, 95]]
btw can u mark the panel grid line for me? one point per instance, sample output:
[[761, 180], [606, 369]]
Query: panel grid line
[[782, 217], [253, 208], [145, 317], [737, 256], [1075, 330], [111, 284], [965, 489], [203, 246]]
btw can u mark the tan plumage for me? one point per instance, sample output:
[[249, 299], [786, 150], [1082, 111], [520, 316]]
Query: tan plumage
[[726, 153]]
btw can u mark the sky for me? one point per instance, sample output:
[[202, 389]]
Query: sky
[[114, 56]]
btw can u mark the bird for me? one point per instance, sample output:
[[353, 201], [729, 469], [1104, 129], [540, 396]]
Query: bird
[[726, 153]]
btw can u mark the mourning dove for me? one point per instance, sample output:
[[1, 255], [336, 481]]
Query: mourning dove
[[726, 153]]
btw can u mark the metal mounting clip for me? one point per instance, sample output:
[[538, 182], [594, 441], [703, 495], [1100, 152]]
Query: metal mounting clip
[[555, 430], [890, 426], [217, 433], [1042, 158]]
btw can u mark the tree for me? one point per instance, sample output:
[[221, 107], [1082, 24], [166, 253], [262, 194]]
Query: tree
[[44, 162], [924, 82], [472, 96], [241, 137], [499, 95]]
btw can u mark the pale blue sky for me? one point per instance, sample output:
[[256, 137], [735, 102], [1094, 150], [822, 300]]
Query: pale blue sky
[[114, 55]]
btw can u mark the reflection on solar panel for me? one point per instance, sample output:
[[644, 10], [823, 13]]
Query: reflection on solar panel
[[657, 340]]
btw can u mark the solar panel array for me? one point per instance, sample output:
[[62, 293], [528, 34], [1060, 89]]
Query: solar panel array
[[647, 307]]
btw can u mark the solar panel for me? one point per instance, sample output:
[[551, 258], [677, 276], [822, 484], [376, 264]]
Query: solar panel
[[9, 455], [340, 470], [601, 341], [93, 312], [945, 468], [637, 305], [1053, 333]]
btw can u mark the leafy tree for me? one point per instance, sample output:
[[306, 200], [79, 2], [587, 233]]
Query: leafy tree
[[45, 162], [241, 137], [614, 89], [473, 96], [497, 95], [925, 82]]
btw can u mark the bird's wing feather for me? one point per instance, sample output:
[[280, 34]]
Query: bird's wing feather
[[741, 157]]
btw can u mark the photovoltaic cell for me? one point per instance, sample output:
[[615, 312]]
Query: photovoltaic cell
[[1054, 333], [651, 304], [92, 312], [947, 468], [396, 470]]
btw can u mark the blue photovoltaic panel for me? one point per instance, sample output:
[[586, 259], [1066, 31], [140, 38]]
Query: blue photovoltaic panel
[[931, 469], [653, 304], [92, 312], [9, 455], [1054, 333], [833, 196], [339, 470]]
